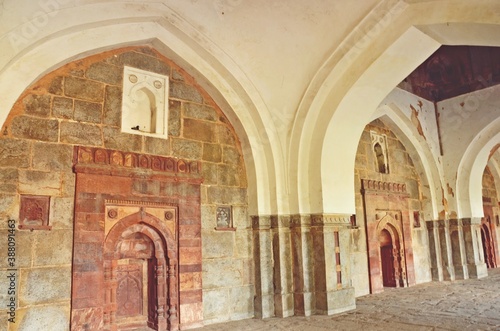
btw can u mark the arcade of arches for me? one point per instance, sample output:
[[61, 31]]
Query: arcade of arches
[[164, 170]]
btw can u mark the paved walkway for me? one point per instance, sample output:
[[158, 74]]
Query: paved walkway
[[472, 304]]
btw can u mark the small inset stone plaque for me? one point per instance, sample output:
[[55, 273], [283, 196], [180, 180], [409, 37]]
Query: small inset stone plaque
[[34, 212], [224, 218]]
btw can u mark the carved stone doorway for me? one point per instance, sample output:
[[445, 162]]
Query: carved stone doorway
[[140, 258], [387, 259], [388, 232], [137, 238]]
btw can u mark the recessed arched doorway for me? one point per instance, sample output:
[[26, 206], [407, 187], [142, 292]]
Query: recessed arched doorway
[[387, 259], [140, 258]]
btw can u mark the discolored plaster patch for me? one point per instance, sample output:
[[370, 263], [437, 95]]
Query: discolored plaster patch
[[416, 121]]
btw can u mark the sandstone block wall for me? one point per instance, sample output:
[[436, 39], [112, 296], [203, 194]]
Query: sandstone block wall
[[80, 104]]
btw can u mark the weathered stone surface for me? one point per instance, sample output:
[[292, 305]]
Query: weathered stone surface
[[217, 244], [156, 146], [62, 107], [177, 75], [35, 128], [9, 208], [212, 152], [226, 195], [56, 86], [216, 306], [208, 217], [142, 61], [42, 318], [201, 112], [209, 173], [68, 184], [114, 139], [213, 278], [83, 89], [241, 301], [14, 153], [37, 105], [187, 148], [24, 248], [51, 157], [174, 118], [61, 213], [8, 174], [79, 133], [113, 106], [60, 253], [105, 73], [88, 111], [228, 175], [225, 135], [244, 247], [199, 130], [37, 285], [39, 182], [241, 220], [179, 90], [231, 155], [8, 187]]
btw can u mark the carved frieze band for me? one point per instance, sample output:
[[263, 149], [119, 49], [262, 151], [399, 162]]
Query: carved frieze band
[[376, 185], [100, 156], [263, 222], [331, 219]]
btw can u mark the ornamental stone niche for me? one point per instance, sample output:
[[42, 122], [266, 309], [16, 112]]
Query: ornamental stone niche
[[145, 110], [136, 238]]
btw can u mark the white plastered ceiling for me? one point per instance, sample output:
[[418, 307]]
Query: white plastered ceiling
[[298, 79]]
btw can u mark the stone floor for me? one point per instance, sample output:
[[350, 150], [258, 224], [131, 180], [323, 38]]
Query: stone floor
[[472, 304]]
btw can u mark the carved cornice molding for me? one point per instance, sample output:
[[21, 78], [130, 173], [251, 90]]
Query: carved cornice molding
[[100, 157], [377, 186]]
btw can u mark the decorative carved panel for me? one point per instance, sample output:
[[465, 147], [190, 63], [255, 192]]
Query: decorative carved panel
[[34, 212], [129, 290]]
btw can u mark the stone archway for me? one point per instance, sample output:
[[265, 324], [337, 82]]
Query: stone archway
[[140, 263]]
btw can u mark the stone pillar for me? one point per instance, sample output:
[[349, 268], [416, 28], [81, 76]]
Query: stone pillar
[[282, 258], [302, 263], [445, 245], [474, 247], [435, 250], [331, 251], [262, 242], [458, 249]]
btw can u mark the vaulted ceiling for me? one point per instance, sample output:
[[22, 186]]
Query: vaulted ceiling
[[455, 70]]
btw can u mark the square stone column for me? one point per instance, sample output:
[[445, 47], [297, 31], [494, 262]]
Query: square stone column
[[302, 262], [446, 253], [458, 249], [332, 244], [282, 262], [434, 250], [263, 257], [474, 247]]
